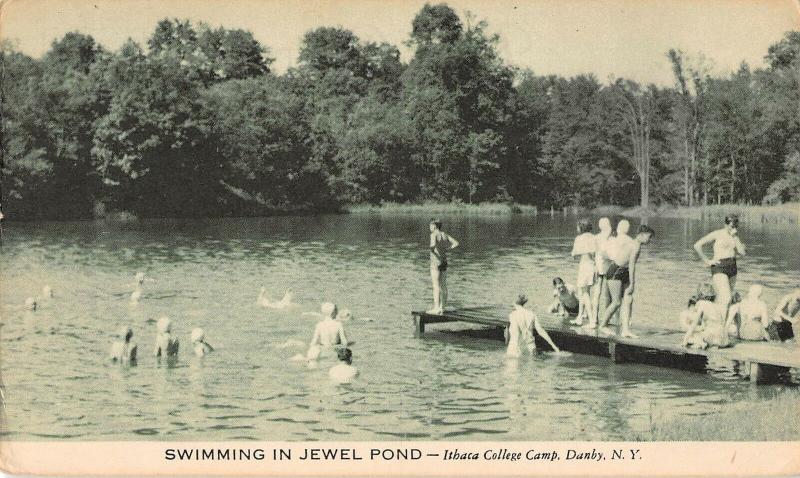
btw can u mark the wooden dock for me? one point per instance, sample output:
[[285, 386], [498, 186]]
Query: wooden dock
[[763, 362]]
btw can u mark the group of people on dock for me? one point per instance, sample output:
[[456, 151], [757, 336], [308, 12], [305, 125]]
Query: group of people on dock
[[606, 282]]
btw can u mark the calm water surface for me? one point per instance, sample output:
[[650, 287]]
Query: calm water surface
[[447, 385]]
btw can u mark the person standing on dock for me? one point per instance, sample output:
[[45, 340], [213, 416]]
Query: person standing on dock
[[520, 331], [727, 245], [584, 247], [602, 262], [441, 242], [789, 306], [621, 277]]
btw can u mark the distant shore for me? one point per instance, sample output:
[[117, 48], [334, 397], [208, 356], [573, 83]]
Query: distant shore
[[442, 208], [779, 213]]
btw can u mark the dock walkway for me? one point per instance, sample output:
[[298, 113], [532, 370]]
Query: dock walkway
[[762, 361]]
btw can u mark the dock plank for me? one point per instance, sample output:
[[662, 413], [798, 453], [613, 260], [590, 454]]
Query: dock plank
[[659, 340]]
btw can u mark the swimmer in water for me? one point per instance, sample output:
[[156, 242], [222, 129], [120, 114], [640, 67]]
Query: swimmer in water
[[344, 371], [621, 276], [264, 301], [520, 331], [727, 245], [440, 243], [584, 247], [566, 303], [31, 304], [344, 316], [135, 297], [753, 316], [328, 332], [124, 350], [199, 344], [166, 344]]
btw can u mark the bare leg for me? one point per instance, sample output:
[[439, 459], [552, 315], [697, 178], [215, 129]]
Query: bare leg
[[615, 289], [436, 291], [722, 289], [443, 289], [625, 316], [584, 305]]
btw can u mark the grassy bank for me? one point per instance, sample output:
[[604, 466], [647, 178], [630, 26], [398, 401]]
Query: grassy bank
[[788, 213], [431, 209], [776, 419]]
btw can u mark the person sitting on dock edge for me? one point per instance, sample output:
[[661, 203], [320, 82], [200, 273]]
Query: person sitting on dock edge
[[789, 307], [440, 243], [566, 303], [520, 331], [707, 327], [622, 279]]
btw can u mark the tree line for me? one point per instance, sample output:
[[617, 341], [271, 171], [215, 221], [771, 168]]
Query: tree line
[[195, 123]]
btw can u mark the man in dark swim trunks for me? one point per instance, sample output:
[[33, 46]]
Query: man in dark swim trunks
[[621, 277], [440, 243]]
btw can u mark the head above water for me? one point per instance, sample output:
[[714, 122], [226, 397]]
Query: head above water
[[692, 302], [198, 335], [126, 333], [345, 355], [584, 226], [623, 226], [522, 299], [30, 303], [328, 309], [164, 324], [140, 277], [436, 224], [605, 225]]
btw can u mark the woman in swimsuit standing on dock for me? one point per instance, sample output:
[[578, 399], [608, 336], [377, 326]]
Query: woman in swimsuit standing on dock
[[727, 245]]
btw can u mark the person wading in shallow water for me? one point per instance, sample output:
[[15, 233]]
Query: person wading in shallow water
[[440, 243], [727, 245]]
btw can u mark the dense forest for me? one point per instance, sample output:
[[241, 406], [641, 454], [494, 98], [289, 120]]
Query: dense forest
[[195, 123]]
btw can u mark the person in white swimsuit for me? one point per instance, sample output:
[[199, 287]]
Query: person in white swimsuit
[[753, 316], [520, 331], [584, 247]]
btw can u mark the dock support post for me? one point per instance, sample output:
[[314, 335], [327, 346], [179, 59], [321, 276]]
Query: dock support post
[[765, 373], [615, 353], [419, 326]]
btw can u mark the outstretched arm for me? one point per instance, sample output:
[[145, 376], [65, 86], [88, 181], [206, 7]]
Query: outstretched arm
[[740, 249], [632, 268], [698, 246], [540, 330], [453, 242], [692, 326], [315, 337]]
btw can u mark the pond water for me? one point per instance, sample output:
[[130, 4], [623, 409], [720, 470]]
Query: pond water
[[58, 383]]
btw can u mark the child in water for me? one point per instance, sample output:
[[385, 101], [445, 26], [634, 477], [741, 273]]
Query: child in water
[[344, 371], [124, 350], [199, 344], [166, 343]]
